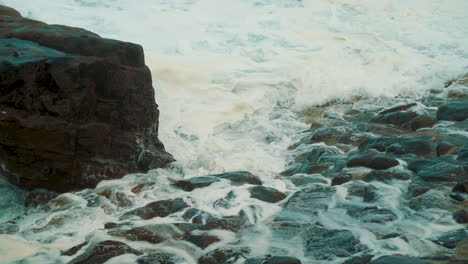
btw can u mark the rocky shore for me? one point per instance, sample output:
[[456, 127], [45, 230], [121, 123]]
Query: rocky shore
[[75, 108], [373, 181]]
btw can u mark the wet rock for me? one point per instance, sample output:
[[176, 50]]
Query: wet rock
[[222, 255], [7, 11], [202, 241], [395, 118], [395, 235], [161, 208], [397, 108], [463, 155], [281, 260], [39, 197], [445, 148], [159, 258], [457, 197], [308, 168], [156, 233], [341, 179], [76, 108], [208, 221], [421, 121], [323, 244], [398, 260], [9, 227], [461, 187], [461, 251], [300, 180], [195, 183], [310, 200], [371, 159], [72, 251], [142, 186], [420, 146], [116, 197], [431, 199], [452, 238], [240, 178], [418, 165], [328, 135], [371, 214], [378, 175], [103, 251], [455, 110], [266, 194], [359, 260], [370, 194], [315, 152], [443, 172], [461, 216]]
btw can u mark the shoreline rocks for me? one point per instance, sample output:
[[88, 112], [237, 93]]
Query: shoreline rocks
[[75, 108]]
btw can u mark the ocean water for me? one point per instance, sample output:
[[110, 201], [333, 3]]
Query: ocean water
[[232, 78]]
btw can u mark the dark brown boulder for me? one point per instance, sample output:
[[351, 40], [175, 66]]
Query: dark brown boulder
[[103, 251], [161, 208], [75, 108]]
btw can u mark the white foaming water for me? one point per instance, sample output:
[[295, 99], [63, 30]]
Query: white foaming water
[[230, 78]]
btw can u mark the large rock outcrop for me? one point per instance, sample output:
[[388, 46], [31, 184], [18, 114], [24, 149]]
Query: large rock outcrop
[[75, 108]]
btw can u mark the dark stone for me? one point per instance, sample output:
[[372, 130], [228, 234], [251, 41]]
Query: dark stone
[[308, 168], [324, 244], [103, 251], [300, 180], [158, 258], [418, 165], [222, 255], [161, 208], [266, 194], [397, 108], [463, 154], [461, 216], [371, 214], [282, 260], [443, 172], [72, 251], [310, 200], [452, 238], [116, 197], [461, 187], [328, 135], [457, 197], [208, 221], [371, 159], [395, 235], [7, 11], [39, 196], [378, 175], [340, 179], [395, 118], [240, 178], [370, 194], [418, 146], [359, 260], [156, 233], [202, 241], [75, 108], [445, 148], [398, 260], [195, 183], [421, 121], [454, 110]]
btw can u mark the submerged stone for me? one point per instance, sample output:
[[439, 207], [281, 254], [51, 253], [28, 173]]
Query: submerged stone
[[371, 159], [398, 260], [195, 183], [454, 110], [161, 208], [103, 251], [240, 178], [266, 194]]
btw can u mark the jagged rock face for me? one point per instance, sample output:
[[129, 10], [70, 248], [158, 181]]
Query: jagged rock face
[[75, 108]]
